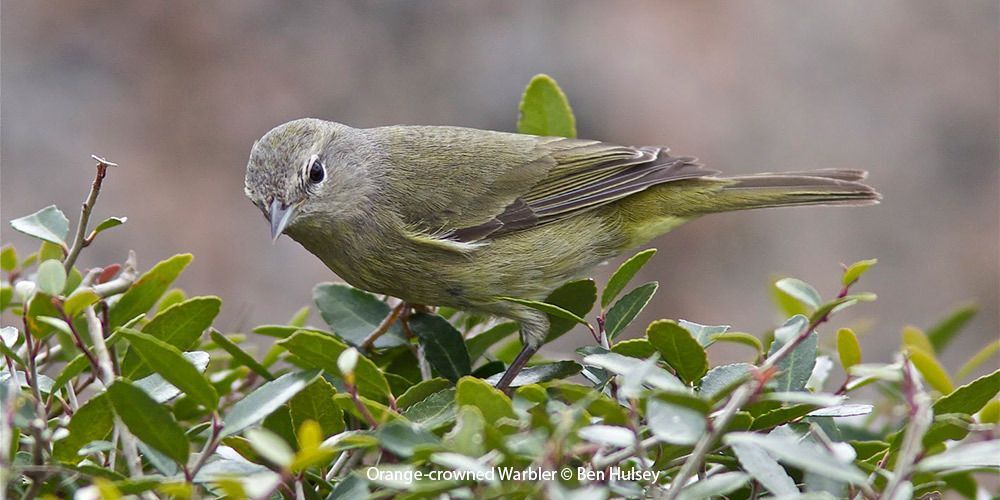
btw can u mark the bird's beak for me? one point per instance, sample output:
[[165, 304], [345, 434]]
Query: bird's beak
[[281, 215]]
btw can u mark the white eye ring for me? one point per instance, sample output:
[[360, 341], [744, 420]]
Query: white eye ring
[[316, 170]]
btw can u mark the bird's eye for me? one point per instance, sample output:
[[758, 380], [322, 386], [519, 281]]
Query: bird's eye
[[316, 172]]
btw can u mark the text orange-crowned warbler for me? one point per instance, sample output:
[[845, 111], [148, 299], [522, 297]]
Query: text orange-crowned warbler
[[459, 217]]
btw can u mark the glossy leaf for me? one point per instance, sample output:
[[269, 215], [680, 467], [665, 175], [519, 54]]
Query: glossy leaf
[[718, 485], [79, 300], [318, 350], [765, 469], [550, 309], [803, 456], [109, 223], [443, 345], [168, 361], [623, 275], [797, 366], [265, 399], [420, 391], [627, 308], [674, 424], [539, 373], [479, 344], [401, 438], [353, 314], [148, 420], [621, 365], [932, 371], [722, 379], [48, 224], [239, 355], [434, 411], [854, 271], [800, 291], [969, 398], [491, 402], [544, 109], [577, 297], [51, 277], [147, 290], [679, 349], [162, 391], [315, 403], [848, 348], [91, 422]]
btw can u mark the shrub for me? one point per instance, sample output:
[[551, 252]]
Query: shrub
[[114, 384]]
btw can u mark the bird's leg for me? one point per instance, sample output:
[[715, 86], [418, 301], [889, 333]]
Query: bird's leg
[[515, 367], [366, 345]]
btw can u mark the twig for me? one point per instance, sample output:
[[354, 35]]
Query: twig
[[107, 375], [81, 240], [740, 397], [210, 446]]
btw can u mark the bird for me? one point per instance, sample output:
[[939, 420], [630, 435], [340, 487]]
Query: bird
[[465, 218]]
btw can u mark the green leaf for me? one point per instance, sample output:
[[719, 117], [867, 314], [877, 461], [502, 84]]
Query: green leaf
[[848, 348], [315, 403], [270, 446], [421, 391], [479, 344], [544, 109], [468, 435], [971, 397], [109, 223], [144, 293], [622, 365], [491, 402], [679, 349], [434, 411], [608, 434], [318, 350], [743, 338], [71, 370], [627, 308], [239, 355], [168, 361], [674, 424], [635, 348], [79, 300], [944, 331], [353, 314], [990, 414], [841, 303], [541, 373], [443, 345], [299, 318], [51, 277], [91, 422], [787, 305], [577, 297], [809, 458], [401, 438], [722, 379], [162, 391], [171, 297], [719, 485], [551, 310], [48, 224], [624, 274], [855, 270], [705, 334], [8, 258], [765, 469], [800, 291], [148, 420], [266, 399], [797, 366], [984, 454], [977, 359], [932, 371], [913, 338]]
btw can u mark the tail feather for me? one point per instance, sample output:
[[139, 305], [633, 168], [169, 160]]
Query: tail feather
[[819, 187]]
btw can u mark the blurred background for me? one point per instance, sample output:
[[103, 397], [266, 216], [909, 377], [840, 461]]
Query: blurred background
[[176, 93]]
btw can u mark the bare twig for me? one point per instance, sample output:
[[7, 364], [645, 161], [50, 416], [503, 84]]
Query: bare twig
[[81, 240]]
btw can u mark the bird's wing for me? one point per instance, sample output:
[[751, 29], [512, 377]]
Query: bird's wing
[[487, 184]]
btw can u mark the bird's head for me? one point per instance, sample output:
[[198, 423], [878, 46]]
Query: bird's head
[[309, 170]]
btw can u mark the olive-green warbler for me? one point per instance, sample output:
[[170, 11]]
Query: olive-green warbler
[[459, 217]]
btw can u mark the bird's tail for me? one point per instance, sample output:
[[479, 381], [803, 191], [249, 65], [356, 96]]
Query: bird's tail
[[815, 187]]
